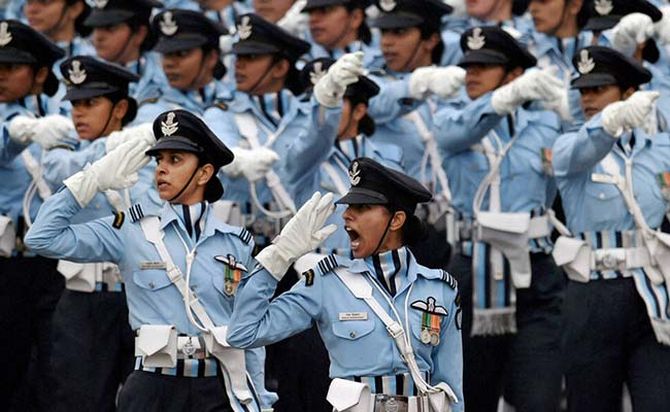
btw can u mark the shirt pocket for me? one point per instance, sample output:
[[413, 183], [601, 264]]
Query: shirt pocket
[[352, 343], [152, 280]]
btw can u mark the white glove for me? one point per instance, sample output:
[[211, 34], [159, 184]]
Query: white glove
[[329, 90], [143, 132], [116, 170], [48, 132], [632, 29], [532, 85], [444, 82], [252, 164], [662, 27], [628, 114], [226, 42], [302, 234], [295, 21]]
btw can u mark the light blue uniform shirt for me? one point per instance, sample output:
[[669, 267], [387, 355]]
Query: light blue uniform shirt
[[359, 345], [152, 79], [152, 298], [525, 182], [372, 58], [591, 206]]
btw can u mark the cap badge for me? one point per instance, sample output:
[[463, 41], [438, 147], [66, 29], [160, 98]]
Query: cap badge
[[5, 35], [168, 24], [77, 74], [169, 126], [244, 28], [585, 64], [355, 174], [387, 5], [101, 4], [477, 40], [317, 73], [604, 7]]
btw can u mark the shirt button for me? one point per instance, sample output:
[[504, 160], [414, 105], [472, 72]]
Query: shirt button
[[602, 195], [352, 335], [151, 285], [395, 370]]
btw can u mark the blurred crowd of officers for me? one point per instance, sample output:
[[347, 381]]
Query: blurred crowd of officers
[[520, 149]]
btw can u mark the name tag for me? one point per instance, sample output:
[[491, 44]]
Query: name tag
[[603, 178], [152, 265], [353, 315]]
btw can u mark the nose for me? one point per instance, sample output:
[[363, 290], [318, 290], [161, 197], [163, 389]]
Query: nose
[[347, 215]]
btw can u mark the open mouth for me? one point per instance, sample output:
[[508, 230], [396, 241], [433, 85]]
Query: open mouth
[[354, 237]]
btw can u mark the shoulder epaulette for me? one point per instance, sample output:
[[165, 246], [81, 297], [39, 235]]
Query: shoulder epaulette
[[245, 235], [327, 264], [135, 213], [149, 101], [221, 105], [449, 280]]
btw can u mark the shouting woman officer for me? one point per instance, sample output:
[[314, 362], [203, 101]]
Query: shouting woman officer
[[180, 264], [391, 326]]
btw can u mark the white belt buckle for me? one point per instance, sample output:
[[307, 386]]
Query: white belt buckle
[[610, 259], [391, 403]]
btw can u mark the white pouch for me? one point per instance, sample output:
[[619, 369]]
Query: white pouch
[[80, 277], [441, 401], [157, 344], [7, 236], [349, 396], [574, 255], [232, 361], [228, 212], [508, 232]]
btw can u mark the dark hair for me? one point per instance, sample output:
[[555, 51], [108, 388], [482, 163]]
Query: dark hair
[[364, 34], [139, 20], [584, 14], [367, 124], [79, 26], [414, 230], [428, 30], [220, 69], [116, 97]]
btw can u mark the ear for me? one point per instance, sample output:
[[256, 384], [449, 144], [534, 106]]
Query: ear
[[512, 74], [357, 18], [41, 76], [139, 35], [74, 10], [359, 111], [431, 42], [398, 221], [206, 173], [120, 109], [280, 69], [574, 7], [627, 93]]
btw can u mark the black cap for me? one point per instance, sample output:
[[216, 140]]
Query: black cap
[[398, 14], [374, 184], [601, 66], [316, 4], [493, 45], [183, 131], [605, 14], [111, 12], [259, 36], [88, 77], [312, 72], [180, 30], [20, 43]]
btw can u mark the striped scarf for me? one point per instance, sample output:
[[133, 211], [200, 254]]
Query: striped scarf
[[389, 268]]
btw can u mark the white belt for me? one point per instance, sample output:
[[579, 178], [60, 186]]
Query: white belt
[[620, 258], [83, 277], [539, 227], [156, 346]]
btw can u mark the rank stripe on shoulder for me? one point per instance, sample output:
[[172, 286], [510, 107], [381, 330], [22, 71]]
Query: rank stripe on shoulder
[[245, 235], [449, 279], [327, 264], [119, 218], [136, 212]]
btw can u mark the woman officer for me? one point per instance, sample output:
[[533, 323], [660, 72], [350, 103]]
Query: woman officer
[[180, 263], [355, 303]]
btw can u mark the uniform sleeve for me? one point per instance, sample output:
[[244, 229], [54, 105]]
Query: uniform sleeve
[[578, 152], [306, 153], [456, 129], [59, 164], [52, 235], [9, 149], [222, 123], [390, 103], [448, 356], [255, 360], [257, 322]]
